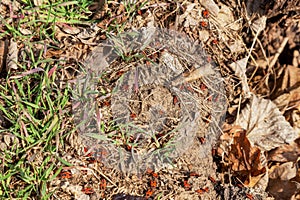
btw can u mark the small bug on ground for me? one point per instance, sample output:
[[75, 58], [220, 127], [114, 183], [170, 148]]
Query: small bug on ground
[[202, 190], [186, 185], [88, 190], [66, 175], [149, 193], [153, 183], [215, 41], [203, 24], [205, 13], [103, 184]]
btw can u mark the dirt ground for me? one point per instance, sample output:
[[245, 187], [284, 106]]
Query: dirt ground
[[248, 150]]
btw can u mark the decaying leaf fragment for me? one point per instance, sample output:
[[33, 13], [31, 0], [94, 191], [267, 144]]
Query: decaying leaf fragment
[[284, 181], [289, 89], [285, 153], [239, 68], [12, 56], [245, 159]]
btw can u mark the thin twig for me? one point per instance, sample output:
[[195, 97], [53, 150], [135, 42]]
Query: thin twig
[[279, 51]]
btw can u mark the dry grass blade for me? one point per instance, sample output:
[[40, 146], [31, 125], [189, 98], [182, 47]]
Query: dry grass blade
[[2, 50]]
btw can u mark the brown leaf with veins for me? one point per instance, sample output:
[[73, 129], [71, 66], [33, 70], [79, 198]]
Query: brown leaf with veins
[[245, 158]]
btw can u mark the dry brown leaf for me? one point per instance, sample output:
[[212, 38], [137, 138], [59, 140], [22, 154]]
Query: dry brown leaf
[[225, 18], [15, 5], [293, 31], [259, 24], [285, 153], [190, 17], [53, 53], [239, 68], [296, 58], [266, 126], [290, 84], [12, 56], [244, 158], [74, 190], [71, 30], [25, 31], [281, 189], [291, 77], [204, 35], [237, 46], [285, 171], [211, 6]]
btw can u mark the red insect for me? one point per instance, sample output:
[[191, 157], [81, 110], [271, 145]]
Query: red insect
[[120, 73], [155, 175], [202, 190], [66, 175], [132, 115], [175, 100], [91, 160], [103, 184], [194, 174], [215, 41], [203, 87], [148, 63], [186, 184], [201, 139], [128, 147], [212, 179], [88, 190], [153, 183], [106, 103], [203, 24], [213, 152], [90, 154], [205, 13], [149, 171], [149, 193]]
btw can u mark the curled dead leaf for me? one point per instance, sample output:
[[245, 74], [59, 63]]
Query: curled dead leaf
[[239, 67]]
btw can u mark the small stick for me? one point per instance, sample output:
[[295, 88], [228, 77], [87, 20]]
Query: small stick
[[194, 75], [136, 78], [279, 51]]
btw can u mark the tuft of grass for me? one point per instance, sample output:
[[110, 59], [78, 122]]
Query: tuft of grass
[[34, 102], [34, 107], [38, 22]]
